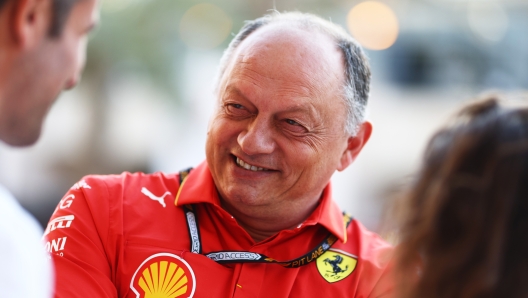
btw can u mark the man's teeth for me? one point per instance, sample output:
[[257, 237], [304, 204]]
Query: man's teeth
[[247, 166]]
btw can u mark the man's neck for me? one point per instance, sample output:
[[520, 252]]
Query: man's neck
[[262, 223]]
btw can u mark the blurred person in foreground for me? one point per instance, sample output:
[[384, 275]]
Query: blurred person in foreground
[[42, 45], [467, 222], [257, 218]]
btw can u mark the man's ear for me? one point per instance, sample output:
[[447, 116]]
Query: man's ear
[[29, 21], [354, 145]]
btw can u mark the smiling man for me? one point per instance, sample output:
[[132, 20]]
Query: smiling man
[[42, 49], [257, 219]]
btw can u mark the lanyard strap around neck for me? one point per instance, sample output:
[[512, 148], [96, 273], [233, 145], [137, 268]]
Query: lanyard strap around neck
[[251, 257]]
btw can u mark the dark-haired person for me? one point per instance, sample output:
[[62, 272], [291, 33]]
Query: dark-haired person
[[42, 48], [467, 220], [257, 218]]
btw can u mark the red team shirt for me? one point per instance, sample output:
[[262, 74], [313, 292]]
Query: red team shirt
[[127, 236]]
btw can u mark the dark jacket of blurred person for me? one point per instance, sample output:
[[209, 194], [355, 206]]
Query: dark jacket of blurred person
[[42, 49], [466, 227]]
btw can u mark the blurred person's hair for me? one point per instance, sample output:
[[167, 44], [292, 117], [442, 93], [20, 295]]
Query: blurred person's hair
[[61, 11], [465, 232], [357, 69]]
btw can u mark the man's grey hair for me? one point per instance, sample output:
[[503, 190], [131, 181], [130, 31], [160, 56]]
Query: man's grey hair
[[357, 69]]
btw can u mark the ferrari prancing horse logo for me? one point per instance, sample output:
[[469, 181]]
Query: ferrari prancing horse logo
[[335, 265], [163, 275]]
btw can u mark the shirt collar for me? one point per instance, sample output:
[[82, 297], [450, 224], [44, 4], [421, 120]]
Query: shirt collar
[[199, 187], [329, 215]]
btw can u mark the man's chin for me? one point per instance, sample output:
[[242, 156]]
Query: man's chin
[[247, 197], [17, 139]]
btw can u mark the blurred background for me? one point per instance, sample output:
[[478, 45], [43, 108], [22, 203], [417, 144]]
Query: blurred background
[[146, 94]]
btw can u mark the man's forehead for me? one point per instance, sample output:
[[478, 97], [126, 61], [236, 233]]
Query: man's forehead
[[90, 8], [291, 39], [281, 46], [95, 12]]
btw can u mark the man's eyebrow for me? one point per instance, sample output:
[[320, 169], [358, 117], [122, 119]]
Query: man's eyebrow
[[92, 26], [94, 23], [308, 110], [230, 89]]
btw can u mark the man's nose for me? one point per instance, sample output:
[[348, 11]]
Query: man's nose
[[80, 61], [72, 81], [257, 138]]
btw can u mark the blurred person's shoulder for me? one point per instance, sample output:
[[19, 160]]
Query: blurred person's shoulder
[[28, 270]]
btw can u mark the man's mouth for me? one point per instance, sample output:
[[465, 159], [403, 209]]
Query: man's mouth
[[247, 166]]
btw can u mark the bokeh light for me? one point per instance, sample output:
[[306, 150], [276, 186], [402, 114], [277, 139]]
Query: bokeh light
[[488, 20], [205, 26], [373, 24]]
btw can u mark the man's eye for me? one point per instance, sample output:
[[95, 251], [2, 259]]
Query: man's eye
[[236, 109], [293, 126], [292, 122]]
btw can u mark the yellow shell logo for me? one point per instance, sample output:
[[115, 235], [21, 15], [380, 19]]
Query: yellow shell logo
[[335, 265], [163, 275]]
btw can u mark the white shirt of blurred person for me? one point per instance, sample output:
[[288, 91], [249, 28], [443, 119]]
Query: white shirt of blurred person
[[42, 52]]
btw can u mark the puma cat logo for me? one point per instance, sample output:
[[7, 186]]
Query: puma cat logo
[[151, 196]]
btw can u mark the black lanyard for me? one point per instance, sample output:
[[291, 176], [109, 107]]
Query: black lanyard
[[252, 257]]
